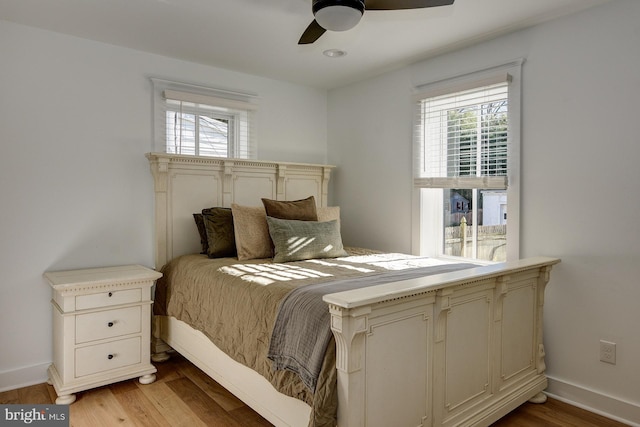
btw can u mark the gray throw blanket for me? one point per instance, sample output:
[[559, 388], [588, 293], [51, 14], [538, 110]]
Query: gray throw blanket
[[302, 328]]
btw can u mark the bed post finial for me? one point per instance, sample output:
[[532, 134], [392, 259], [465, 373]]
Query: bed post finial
[[326, 176], [281, 182], [160, 171], [227, 183]]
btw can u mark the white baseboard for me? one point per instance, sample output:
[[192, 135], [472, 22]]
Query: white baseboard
[[594, 401], [23, 377]]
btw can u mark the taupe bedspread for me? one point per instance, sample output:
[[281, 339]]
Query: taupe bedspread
[[235, 304]]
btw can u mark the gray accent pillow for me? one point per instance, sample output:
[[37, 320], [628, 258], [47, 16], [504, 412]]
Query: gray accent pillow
[[298, 240], [218, 223]]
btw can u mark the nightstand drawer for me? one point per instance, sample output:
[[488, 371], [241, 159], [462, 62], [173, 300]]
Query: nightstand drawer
[[104, 357], [108, 324], [105, 299]]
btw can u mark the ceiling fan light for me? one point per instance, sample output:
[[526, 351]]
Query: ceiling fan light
[[339, 17]]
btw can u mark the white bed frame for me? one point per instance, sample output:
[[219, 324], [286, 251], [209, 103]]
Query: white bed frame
[[455, 349]]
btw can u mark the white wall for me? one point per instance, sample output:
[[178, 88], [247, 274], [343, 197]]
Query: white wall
[[370, 141], [580, 151], [75, 187]]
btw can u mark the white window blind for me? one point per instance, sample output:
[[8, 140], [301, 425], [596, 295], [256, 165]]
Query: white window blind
[[462, 137], [466, 165], [195, 120]]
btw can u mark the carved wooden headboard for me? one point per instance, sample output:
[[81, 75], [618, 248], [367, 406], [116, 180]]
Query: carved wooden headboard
[[186, 184]]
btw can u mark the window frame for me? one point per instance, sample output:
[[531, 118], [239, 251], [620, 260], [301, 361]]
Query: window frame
[[236, 107], [198, 114], [427, 203]]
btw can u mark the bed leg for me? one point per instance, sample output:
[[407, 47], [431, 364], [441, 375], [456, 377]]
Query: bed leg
[[160, 357], [539, 398], [159, 349]]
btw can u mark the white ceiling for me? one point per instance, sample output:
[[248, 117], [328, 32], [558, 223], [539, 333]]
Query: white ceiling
[[260, 36]]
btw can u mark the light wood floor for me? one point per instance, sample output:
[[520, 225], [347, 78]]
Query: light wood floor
[[185, 396]]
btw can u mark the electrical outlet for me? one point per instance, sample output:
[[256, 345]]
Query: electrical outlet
[[608, 352]]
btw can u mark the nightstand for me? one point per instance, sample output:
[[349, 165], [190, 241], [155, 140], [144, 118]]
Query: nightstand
[[101, 328]]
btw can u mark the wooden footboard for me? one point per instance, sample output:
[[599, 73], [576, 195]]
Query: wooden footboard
[[457, 349]]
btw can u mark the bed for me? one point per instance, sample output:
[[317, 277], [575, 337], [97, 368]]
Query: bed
[[461, 345]]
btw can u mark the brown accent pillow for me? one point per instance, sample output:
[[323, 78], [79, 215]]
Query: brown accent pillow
[[218, 223], [251, 232], [301, 210]]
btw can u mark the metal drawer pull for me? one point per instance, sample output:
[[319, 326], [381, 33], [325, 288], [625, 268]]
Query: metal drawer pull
[[110, 324], [110, 294], [111, 356]]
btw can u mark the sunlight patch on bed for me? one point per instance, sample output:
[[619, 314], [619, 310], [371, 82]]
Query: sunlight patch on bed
[[266, 274], [396, 261], [297, 243], [260, 280], [345, 266]]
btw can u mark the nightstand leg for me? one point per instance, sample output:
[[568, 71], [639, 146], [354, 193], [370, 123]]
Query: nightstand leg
[[147, 379], [66, 399]]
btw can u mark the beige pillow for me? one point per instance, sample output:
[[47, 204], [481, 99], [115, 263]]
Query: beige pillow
[[251, 232], [328, 213]]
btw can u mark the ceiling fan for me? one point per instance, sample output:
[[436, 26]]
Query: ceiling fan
[[342, 15]]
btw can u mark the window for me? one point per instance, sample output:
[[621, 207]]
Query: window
[[200, 121], [466, 165]]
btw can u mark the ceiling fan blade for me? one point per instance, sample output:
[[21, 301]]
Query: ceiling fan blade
[[312, 33], [404, 4]]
